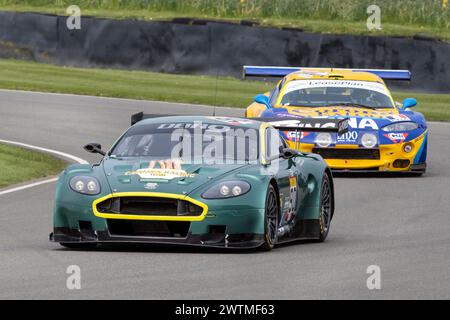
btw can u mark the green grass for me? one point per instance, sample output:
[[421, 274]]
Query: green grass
[[128, 84], [435, 107], [20, 165], [231, 92], [399, 17]]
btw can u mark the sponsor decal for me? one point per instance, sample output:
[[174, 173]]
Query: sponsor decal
[[309, 84], [309, 74], [195, 125], [165, 174], [291, 201], [233, 121], [397, 117], [352, 123], [350, 136], [302, 123], [296, 136], [396, 137], [151, 186], [293, 182], [285, 203], [364, 123]]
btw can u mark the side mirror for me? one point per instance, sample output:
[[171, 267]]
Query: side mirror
[[287, 153], [262, 99], [94, 148], [409, 103]]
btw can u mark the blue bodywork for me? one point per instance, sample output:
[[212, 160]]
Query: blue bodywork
[[362, 124]]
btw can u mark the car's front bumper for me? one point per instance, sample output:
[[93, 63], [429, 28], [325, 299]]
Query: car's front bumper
[[413, 169], [231, 241], [225, 228], [388, 158]]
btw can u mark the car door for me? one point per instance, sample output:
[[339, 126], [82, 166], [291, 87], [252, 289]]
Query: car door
[[286, 174]]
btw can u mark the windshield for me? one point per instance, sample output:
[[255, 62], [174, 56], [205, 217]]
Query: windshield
[[189, 143], [320, 93]]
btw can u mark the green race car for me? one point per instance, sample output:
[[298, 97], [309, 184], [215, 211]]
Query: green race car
[[203, 181]]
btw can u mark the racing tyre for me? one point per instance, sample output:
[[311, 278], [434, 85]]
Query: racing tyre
[[81, 246], [326, 207], [417, 174], [270, 219]]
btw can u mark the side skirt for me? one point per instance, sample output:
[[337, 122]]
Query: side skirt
[[303, 230]]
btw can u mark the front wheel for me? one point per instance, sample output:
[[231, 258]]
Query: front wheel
[[270, 219], [326, 207]]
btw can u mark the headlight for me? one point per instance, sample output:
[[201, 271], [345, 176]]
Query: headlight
[[85, 185], [369, 140], [408, 148], [324, 139], [401, 126], [227, 189]]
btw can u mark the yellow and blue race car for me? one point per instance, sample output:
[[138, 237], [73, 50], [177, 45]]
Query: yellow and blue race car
[[383, 135]]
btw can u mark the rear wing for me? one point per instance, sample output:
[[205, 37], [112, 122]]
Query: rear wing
[[256, 71], [282, 123], [308, 124], [135, 118]]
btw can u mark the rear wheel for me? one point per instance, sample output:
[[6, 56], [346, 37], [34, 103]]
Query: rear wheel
[[270, 219], [326, 207]]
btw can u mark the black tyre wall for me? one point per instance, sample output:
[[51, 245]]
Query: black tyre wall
[[211, 47]]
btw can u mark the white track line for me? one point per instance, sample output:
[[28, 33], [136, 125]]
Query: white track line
[[58, 153], [28, 186], [51, 151]]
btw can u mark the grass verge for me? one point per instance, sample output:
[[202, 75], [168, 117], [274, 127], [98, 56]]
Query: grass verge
[[20, 165], [231, 92], [398, 17]]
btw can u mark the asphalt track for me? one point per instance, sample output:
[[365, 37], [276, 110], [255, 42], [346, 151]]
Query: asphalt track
[[400, 224]]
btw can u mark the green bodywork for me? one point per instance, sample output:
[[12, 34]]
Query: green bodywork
[[244, 214]]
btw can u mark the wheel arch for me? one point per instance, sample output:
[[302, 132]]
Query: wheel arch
[[330, 176], [274, 184]]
